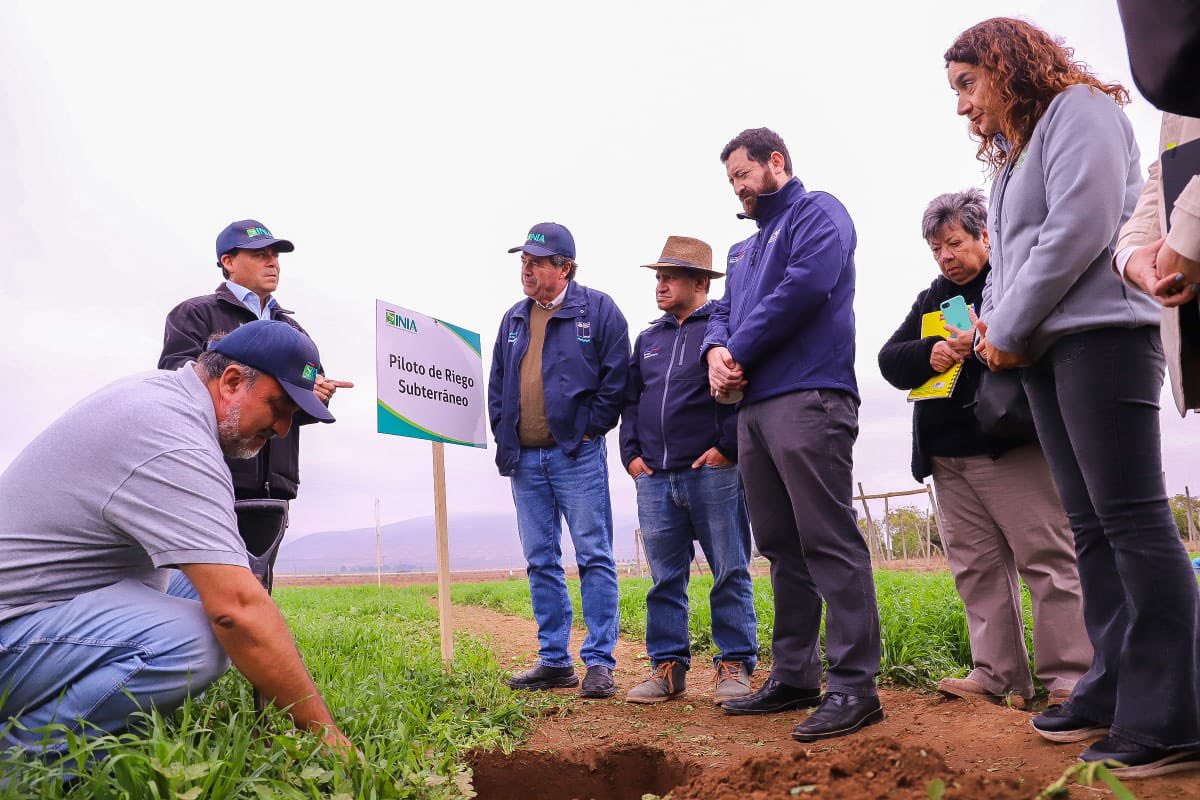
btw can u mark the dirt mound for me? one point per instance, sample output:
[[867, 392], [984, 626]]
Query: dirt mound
[[617, 773], [877, 768]]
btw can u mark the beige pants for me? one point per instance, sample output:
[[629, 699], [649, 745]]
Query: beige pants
[[1000, 519]]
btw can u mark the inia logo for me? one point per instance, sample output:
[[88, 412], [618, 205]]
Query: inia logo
[[400, 321], [536, 237], [253, 232]]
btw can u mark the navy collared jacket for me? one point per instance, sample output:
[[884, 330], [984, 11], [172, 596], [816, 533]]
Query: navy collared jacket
[[670, 418], [788, 311], [585, 360]]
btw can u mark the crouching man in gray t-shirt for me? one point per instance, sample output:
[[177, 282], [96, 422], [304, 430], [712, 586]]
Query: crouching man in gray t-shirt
[[125, 484]]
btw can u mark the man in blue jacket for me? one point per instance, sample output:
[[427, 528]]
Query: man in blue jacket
[[784, 336], [556, 388], [680, 447]]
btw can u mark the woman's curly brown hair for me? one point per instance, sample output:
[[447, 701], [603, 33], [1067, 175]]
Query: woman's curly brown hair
[[1026, 68]]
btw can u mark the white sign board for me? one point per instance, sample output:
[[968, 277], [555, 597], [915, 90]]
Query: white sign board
[[430, 378]]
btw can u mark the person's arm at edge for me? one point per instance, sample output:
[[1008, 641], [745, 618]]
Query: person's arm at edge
[[248, 625], [495, 389]]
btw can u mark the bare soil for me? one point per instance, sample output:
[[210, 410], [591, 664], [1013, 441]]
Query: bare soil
[[609, 749]]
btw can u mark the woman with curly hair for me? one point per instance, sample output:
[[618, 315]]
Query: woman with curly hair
[[1066, 177]]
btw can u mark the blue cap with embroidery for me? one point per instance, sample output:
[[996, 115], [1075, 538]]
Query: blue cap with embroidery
[[249, 234], [284, 353], [548, 239]]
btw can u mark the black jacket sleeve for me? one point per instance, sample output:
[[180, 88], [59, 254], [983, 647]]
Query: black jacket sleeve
[[904, 359], [727, 422], [183, 337], [1163, 37]]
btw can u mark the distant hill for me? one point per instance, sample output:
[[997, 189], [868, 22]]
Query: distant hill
[[477, 541]]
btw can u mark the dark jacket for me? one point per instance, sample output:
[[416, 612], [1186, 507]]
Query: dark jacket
[[670, 418], [585, 358], [788, 311], [940, 427], [275, 471]]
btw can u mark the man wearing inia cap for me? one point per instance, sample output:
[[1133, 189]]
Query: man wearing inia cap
[[248, 256], [130, 481], [680, 447], [556, 388], [783, 334]]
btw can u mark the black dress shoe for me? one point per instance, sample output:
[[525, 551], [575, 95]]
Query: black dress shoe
[[839, 714], [598, 683], [543, 677], [772, 698], [1140, 761]]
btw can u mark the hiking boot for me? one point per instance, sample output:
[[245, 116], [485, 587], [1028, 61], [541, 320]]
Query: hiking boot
[[1059, 725], [668, 682], [543, 677], [838, 715], [732, 681], [772, 698], [971, 689], [598, 683], [1140, 761]]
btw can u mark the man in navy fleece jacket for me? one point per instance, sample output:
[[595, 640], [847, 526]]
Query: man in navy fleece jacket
[[784, 335]]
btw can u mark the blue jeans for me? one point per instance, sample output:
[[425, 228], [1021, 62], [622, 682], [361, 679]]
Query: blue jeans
[[548, 486], [91, 662], [676, 507]]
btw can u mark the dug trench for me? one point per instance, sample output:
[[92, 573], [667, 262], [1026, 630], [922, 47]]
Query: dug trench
[[609, 749]]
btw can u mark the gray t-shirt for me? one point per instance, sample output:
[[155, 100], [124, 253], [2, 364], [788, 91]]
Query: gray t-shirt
[[125, 483]]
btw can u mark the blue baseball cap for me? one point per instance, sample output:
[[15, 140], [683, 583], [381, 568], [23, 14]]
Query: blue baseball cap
[[548, 239], [284, 353], [249, 234]]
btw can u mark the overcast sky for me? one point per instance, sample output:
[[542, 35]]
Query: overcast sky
[[405, 147]]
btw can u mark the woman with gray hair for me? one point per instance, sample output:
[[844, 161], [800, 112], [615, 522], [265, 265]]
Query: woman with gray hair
[[1000, 515]]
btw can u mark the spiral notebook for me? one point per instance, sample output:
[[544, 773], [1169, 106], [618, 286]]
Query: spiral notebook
[[939, 386]]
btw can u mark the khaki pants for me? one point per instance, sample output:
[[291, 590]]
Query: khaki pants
[[1000, 519]]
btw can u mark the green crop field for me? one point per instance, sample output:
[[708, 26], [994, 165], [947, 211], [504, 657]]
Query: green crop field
[[374, 654]]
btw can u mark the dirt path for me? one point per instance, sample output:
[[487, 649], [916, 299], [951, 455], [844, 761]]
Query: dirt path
[[977, 739]]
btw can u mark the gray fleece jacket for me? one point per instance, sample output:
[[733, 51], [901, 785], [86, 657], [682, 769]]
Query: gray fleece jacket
[[1053, 222]]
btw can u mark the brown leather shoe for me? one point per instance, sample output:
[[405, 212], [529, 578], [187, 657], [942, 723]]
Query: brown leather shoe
[[970, 689], [1057, 697], [668, 682], [732, 681]]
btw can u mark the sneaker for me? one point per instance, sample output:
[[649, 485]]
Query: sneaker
[[1059, 725], [668, 682], [1139, 761], [543, 677], [838, 715], [598, 683], [732, 681]]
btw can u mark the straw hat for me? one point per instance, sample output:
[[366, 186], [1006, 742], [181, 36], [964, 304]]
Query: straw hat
[[686, 253]]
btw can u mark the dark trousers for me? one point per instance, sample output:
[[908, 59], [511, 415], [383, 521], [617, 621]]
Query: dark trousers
[[1094, 397], [795, 455]]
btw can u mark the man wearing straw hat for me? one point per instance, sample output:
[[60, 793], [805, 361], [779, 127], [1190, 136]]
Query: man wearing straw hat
[[680, 447]]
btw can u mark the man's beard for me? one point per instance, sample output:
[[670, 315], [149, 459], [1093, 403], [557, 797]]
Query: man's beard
[[750, 205], [233, 445]]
